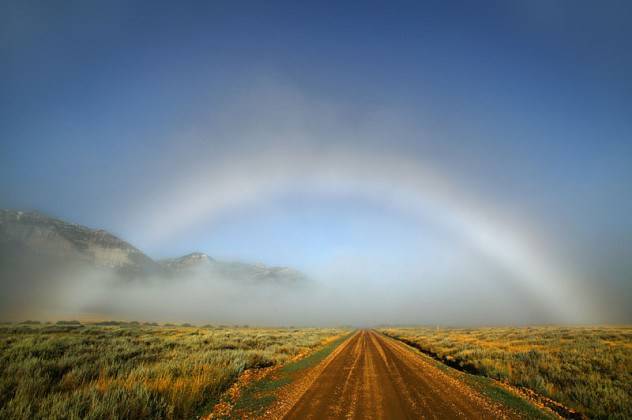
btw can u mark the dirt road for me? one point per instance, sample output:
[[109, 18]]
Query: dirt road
[[373, 376]]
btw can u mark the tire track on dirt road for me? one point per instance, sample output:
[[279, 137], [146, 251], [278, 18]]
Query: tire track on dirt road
[[376, 377]]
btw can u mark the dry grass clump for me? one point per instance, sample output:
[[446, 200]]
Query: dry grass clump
[[133, 370], [586, 368]]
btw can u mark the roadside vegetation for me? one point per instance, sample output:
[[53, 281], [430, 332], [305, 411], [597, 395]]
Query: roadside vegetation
[[255, 399], [132, 370], [588, 369]]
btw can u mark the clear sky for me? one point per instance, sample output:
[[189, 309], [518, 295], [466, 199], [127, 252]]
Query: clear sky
[[397, 142]]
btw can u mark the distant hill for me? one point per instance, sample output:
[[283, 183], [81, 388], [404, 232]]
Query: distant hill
[[32, 239], [34, 235], [202, 264], [192, 261]]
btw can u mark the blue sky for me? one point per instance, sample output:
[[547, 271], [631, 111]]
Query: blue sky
[[108, 109]]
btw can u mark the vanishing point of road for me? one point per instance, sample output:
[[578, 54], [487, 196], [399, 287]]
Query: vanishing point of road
[[371, 376]]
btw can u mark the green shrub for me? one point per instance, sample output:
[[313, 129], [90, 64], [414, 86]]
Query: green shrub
[[129, 370], [585, 368]]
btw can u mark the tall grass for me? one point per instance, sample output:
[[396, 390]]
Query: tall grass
[[133, 371], [586, 368]]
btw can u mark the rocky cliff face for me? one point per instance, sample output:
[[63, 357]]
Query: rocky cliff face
[[51, 268], [40, 235], [194, 260], [203, 265], [30, 236]]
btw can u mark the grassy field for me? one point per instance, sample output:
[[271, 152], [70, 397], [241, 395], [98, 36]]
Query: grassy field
[[586, 368], [133, 370]]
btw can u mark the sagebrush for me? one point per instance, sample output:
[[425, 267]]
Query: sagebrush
[[586, 368], [131, 370]]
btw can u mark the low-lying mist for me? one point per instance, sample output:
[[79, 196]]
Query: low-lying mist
[[75, 291]]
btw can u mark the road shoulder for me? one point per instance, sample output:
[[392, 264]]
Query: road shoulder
[[270, 393], [495, 391]]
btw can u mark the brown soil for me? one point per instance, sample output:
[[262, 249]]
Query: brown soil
[[372, 376]]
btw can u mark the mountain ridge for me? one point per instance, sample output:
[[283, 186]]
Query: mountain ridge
[[32, 232]]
